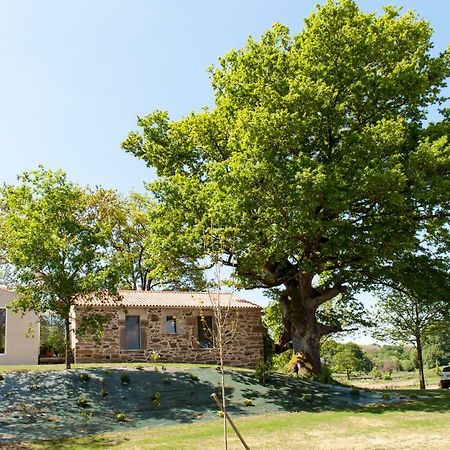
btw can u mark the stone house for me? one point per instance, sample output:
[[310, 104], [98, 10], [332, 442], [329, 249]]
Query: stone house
[[176, 325], [19, 334]]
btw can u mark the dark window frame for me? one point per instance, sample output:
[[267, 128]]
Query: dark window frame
[[171, 320], [128, 346]]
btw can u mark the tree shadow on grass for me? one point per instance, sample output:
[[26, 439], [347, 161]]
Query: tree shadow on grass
[[283, 393]]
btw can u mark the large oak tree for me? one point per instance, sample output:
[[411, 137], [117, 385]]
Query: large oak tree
[[314, 167]]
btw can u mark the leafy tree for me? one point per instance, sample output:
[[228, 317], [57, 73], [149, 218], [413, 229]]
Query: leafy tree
[[348, 359], [137, 254], [437, 348], [55, 235], [415, 305], [313, 168]]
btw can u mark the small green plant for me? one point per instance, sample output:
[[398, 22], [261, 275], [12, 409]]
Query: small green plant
[[85, 376], [83, 402], [262, 371], [248, 402], [156, 398], [86, 416], [163, 368], [121, 417], [154, 356], [375, 373], [220, 414], [193, 377], [124, 378]]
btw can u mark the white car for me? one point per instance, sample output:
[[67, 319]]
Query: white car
[[444, 382]]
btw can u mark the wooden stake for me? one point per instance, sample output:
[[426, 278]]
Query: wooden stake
[[219, 404]]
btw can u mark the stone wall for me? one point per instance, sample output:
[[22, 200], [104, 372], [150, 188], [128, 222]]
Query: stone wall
[[244, 340]]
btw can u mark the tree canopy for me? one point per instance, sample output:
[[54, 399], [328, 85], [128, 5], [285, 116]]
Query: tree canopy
[[314, 166], [55, 236], [415, 305]]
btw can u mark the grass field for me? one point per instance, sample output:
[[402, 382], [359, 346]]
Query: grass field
[[420, 420], [420, 423]]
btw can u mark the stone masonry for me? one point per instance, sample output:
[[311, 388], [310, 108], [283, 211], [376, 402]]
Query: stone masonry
[[244, 346]]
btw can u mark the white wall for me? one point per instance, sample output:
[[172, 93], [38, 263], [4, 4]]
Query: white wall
[[21, 346]]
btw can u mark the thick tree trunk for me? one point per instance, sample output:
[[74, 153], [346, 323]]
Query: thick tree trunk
[[300, 302], [420, 362], [69, 353]]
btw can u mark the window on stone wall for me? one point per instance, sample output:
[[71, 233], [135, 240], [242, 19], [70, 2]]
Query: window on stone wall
[[2, 330], [205, 332], [171, 324], [132, 333]]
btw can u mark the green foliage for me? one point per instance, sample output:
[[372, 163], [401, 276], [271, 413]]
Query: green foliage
[[262, 371], [121, 417], [137, 256], [156, 398], [349, 359], [55, 236], [85, 376], [313, 162], [273, 319], [282, 362], [52, 339], [83, 402], [124, 378]]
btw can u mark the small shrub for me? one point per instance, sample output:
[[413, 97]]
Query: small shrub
[[85, 376], [154, 356], [192, 377], [326, 375], [163, 368], [387, 377], [83, 402], [248, 402], [125, 378], [262, 371], [220, 414], [156, 398], [86, 416], [375, 373], [121, 417]]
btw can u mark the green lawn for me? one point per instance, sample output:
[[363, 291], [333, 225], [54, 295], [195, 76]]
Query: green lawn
[[420, 423], [323, 420]]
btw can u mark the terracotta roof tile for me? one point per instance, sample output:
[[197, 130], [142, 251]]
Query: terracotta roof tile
[[171, 299]]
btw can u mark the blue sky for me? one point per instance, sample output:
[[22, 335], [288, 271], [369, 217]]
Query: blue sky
[[74, 75]]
